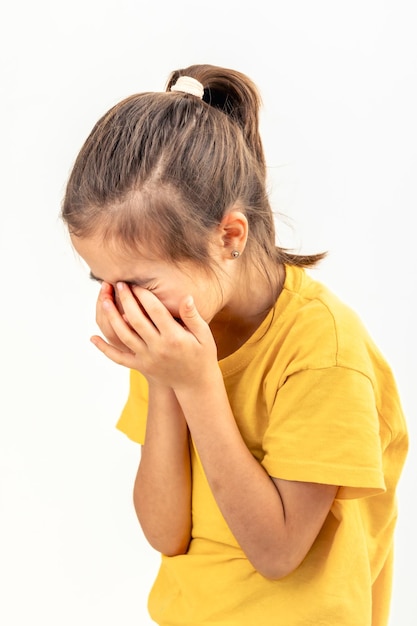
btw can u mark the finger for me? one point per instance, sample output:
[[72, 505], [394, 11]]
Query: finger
[[193, 320], [127, 359], [106, 293], [160, 316], [143, 310], [125, 334]]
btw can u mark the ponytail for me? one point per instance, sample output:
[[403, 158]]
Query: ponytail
[[234, 94]]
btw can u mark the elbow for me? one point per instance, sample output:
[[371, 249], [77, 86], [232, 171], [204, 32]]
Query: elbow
[[170, 536], [173, 551], [168, 544], [274, 571], [171, 548], [276, 566]]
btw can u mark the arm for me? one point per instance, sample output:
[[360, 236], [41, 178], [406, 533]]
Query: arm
[[162, 491], [274, 521]]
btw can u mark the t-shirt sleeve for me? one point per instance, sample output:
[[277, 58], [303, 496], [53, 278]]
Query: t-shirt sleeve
[[324, 428], [132, 421]]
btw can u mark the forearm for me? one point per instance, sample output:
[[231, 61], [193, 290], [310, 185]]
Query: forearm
[[246, 495], [162, 491]]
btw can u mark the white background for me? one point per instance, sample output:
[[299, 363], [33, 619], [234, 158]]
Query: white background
[[338, 81]]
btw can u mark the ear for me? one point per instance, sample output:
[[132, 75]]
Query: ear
[[232, 233]]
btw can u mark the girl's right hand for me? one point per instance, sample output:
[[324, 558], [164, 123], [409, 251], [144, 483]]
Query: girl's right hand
[[107, 293]]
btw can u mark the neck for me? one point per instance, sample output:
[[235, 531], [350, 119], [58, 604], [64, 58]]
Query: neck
[[245, 311]]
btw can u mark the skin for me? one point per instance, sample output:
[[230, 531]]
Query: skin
[[275, 521]]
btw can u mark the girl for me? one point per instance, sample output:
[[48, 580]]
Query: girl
[[272, 434]]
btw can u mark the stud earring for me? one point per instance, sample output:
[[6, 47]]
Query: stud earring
[[235, 253]]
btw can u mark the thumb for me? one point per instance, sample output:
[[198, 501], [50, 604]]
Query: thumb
[[189, 314], [195, 324]]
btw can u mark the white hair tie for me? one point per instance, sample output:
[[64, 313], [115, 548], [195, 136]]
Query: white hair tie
[[186, 84]]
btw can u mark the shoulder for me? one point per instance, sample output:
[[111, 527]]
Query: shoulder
[[325, 344], [320, 329]]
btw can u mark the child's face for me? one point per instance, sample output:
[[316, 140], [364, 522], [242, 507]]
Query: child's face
[[169, 282]]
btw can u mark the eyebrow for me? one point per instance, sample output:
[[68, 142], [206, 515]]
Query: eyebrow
[[139, 282]]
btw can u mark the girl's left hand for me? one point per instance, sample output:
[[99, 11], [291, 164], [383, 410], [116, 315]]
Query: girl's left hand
[[163, 350]]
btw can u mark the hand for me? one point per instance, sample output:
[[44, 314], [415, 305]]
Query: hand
[[151, 341], [107, 294]]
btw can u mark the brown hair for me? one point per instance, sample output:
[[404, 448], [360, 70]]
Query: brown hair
[[162, 169]]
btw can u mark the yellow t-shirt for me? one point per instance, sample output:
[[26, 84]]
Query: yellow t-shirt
[[314, 401]]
